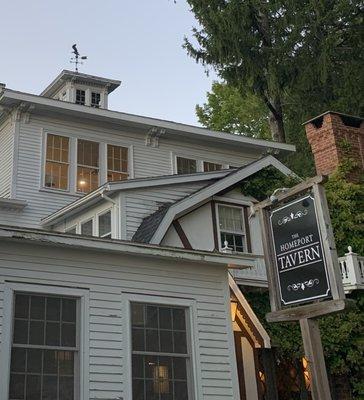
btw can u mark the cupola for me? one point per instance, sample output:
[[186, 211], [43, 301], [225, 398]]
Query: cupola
[[82, 89]]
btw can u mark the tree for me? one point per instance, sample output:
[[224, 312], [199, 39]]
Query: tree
[[227, 110], [292, 54]]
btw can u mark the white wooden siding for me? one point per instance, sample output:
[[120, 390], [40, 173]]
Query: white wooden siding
[[141, 203], [148, 161], [6, 157], [107, 277]]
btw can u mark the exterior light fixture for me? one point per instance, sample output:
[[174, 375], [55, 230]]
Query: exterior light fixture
[[82, 182], [233, 309]]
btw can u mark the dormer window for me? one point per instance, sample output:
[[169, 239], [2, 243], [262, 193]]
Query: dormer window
[[80, 97], [186, 165], [95, 100], [209, 166], [105, 224], [87, 166]]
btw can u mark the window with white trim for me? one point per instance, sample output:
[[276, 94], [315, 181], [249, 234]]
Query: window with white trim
[[209, 166], [45, 348], [232, 227], [72, 229], [57, 162], [87, 227], [160, 353], [95, 99], [80, 97], [104, 220], [117, 163], [87, 165], [186, 165]]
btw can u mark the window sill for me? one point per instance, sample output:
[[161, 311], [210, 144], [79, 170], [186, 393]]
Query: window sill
[[63, 192]]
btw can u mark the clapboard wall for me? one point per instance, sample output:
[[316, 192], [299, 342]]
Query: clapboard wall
[[108, 278], [146, 160]]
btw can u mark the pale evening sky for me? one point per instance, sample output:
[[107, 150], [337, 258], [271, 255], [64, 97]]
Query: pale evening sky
[[136, 41]]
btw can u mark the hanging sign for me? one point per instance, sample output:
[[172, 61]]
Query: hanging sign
[[298, 251]]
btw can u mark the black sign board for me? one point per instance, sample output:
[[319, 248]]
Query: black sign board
[[299, 256]]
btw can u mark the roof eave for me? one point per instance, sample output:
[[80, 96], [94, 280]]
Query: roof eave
[[147, 122]]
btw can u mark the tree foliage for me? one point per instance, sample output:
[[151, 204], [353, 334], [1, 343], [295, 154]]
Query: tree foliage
[[227, 110], [300, 57]]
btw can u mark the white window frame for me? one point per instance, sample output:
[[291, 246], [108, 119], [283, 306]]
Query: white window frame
[[112, 222], [199, 162], [86, 97], [194, 389], [101, 161], [130, 154], [96, 92], [244, 234], [44, 161], [72, 161], [82, 334]]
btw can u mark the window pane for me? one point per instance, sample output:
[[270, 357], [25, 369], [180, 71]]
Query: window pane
[[53, 333], [138, 366], [95, 99], [66, 362], [179, 319], [208, 166], [53, 309], [138, 389], [105, 224], [186, 165], [18, 360], [50, 384], [37, 307], [56, 175], [152, 317], [137, 314], [17, 383], [36, 332], [50, 360], [179, 368], [66, 388], [87, 179], [180, 345], [34, 361], [138, 339], [87, 153], [80, 96], [166, 338], [231, 219], [165, 318], [71, 230], [68, 335], [116, 176], [86, 228], [69, 310], [21, 306], [57, 159], [20, 335], [152, 340], [180, 391]]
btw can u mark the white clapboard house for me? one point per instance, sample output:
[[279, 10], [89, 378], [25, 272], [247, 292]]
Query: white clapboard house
[[117, 234]]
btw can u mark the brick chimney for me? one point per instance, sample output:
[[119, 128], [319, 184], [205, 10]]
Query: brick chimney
[[326, 135]]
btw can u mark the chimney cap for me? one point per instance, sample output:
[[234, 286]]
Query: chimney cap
[[353, 117]]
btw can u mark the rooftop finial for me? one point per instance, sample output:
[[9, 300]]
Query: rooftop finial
[[76, 59]]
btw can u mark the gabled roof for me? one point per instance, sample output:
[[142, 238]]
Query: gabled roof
[[113, 187], [201, 196]]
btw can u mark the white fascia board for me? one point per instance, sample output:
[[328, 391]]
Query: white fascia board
[[112, 187], [202, 195], [137, 120], [240, 261], [246, 306]]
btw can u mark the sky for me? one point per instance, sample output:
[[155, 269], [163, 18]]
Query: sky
[[136, 41]]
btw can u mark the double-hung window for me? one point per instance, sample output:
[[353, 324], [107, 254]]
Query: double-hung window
[[160, 352], [232, 227], [117, 163], [45, 349], [87, 165], [80, 97], [186, 165], [57, 162]]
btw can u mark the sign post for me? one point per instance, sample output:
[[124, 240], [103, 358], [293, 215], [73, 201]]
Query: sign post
[[302, 268]]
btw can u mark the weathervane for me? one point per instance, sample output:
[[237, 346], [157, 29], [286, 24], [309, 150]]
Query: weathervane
[[76, 59]]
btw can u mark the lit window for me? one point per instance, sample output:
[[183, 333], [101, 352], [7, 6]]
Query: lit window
[[117, 163], [80, 97], [186, 165], [160, 352], [208, 166], [87, 166], [87, 228], [44, 348], [232, 227], [105, 225], [57, 162]]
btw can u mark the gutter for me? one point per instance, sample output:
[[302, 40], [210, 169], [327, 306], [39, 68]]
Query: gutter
[[9, 233]]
